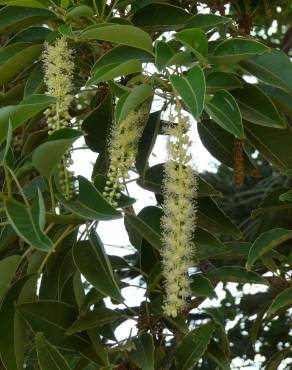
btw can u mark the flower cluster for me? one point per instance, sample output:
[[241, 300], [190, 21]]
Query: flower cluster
[[179, 218], [59, 66], [123, 150]]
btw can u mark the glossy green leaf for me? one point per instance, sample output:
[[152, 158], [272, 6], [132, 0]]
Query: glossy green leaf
[[15, 57], [207, 245], [220, 144], [97, 125], [256, 107], [28, 222], [118, 34], [35, 82], [18, 114], [132, 100], [273, 68], [93, 263], [193, 346], [195, 40], [191, 88], [202, 287], [36, 35], [163, 54], [213, 219], [48, 155], [114, 70], [206, 21], [13, 20], [8, 267], [143, 354], [216, 354], [122, 53], [221, 80], [236, 274], [274, 144], [79, 11], [147, 142], [224, 110], [10, 357], [236, 50], [48, 356], [42, 4], [282, 301], [266, 242], [96, 318], [160, 17], [90, 203], [281, 99]]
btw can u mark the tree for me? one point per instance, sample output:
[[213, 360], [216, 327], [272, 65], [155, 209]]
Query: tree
[[94, 70]]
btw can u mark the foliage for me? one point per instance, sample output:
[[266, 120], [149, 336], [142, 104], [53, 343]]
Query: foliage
[[61, 295]]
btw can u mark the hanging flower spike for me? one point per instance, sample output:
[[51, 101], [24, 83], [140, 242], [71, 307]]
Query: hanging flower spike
[[179, 219], [59, 66], [123, 146]]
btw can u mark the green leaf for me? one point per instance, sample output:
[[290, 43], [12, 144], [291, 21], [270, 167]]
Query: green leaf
[[286, 197], [97, 125], [92, 261], [202, 287], [143, 354], [118, 34], [275, 361], [13, 20], [207, 245], [120, 54], [274, 68], [130, 101], [14, 58], [90, 204], [153, 179], [256, 107], [18, 114], [212, 218], [28, 223], [35, 82], [274, 144], [220, 144], [10, 357], [79, 11], [216, 354], [147, 142], [281, 99], [222, 80], [111, 71], [236, 274], [191, 88], [160, 17], [163, 54], [256, 326], [8, 267], [266, 242], [5, 151], [144, 230], [225, 111], [43, 4], [48, 356], [195, 40], [282, 301], [206, 21], [96, 318], [193, 346], [236, 50], [48, 155], [53, 318]]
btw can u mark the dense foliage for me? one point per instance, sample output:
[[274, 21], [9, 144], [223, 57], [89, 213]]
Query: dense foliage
[[115, 75]]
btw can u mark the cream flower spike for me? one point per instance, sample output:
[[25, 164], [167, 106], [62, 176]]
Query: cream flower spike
[[58, 67], [179, 219], [123, 146]]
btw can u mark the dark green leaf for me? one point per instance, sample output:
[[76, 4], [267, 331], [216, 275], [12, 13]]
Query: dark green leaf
[[256, 107], [266, 242], [42, 4], [207, 245], [119, 34], [237, 50], [48, 356], [163, 54], [195, 40], [79, 11], [275, 361], [143, 354], [282, 301], [193, 346], [222, 80], [224, 110], [281, 99], [191, 88], [8, 267], [202, 287], [216, 354], [93, 263], [206, 21], [236, 274]]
